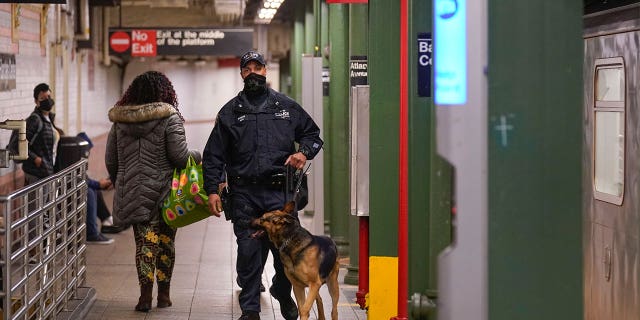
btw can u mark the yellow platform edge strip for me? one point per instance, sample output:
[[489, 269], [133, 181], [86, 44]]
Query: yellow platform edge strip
[[383, 288]]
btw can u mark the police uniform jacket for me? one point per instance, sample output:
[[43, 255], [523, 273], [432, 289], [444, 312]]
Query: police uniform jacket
[[255, 141], [145, 144]]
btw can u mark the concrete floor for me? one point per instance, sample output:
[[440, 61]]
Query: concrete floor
[[203, 284]]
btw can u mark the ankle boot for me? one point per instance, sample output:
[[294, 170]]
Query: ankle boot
[[144, 302], [164, 300]]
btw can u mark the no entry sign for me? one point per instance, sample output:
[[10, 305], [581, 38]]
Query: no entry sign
[[120, 41]]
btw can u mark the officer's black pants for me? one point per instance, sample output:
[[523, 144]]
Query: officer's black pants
[[250, 202]]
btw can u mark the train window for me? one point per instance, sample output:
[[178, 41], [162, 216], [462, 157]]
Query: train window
[[610, 84], [609, 130]]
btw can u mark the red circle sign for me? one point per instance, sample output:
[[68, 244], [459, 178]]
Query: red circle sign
[[120, 41]]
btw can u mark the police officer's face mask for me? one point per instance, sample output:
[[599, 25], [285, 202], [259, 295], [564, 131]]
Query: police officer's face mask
[[255, 84], [46, 105]]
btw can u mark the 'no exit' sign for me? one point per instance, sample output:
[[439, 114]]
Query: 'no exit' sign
[[141, 43]]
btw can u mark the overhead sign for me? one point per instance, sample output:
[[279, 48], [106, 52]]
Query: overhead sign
[[180, 42], [450, 24], [347, 1], [40, 1]]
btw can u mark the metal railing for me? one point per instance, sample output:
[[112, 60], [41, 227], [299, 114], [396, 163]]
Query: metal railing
[[42, 253]]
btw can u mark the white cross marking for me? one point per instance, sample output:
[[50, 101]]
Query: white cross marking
[[503, 128]]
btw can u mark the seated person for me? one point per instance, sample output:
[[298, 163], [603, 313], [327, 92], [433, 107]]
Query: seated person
[[93, 235], [104, 214], [96, 207]]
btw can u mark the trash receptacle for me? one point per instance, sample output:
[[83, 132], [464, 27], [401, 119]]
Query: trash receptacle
[[70, 150]]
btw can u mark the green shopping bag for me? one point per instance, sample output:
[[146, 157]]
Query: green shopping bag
[[188, 202]]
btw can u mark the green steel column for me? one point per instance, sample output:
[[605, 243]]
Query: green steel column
[[338, 137], [429, 176], [309, 28], [285, 75], [384, 120], [384, 79], [324, 33], [297, 48], [326, 111], [535, 181], [358, 42], [318, 15], [421, 136]]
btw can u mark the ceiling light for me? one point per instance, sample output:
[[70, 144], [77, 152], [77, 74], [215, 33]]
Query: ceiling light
[[267, 11]]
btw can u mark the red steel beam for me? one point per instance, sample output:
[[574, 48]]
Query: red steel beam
[[403, 194]]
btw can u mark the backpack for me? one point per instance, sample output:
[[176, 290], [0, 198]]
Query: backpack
[[12, 146]]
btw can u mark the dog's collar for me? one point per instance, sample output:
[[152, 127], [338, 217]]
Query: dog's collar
[[284, 243]]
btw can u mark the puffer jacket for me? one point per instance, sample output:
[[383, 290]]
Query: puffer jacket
[[42, 147], [145, 144]]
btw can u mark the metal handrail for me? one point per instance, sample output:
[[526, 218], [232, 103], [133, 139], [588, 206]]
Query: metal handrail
[[43, 250]]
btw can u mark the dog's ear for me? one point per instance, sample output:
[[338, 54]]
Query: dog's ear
[[289, 207]]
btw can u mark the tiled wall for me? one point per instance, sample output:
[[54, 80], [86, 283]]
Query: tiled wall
[[83, 87]]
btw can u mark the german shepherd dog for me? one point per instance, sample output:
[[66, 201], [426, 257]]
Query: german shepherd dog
[[309, 260]]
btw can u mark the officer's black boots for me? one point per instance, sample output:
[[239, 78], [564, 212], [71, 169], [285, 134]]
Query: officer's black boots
[[288, 307]]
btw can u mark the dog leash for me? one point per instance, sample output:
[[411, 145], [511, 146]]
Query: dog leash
[[302, 174], [296, 190]]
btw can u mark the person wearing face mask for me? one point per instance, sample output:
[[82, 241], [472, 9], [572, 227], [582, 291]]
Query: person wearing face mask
[[253, 140], [40, 126], [43, 137]]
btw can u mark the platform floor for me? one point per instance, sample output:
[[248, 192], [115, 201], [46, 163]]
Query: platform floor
[[203, 285]]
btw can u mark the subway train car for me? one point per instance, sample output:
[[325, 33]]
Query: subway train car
[[611, 161]]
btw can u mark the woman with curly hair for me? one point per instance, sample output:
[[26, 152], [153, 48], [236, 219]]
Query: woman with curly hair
[[146, 142]]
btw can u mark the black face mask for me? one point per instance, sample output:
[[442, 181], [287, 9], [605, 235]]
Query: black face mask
[[255, 84], [46, 105]]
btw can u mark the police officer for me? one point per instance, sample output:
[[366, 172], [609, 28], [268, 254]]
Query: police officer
[[252, 141]]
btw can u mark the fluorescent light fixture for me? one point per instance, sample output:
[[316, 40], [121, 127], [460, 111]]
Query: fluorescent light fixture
[[267, 11]]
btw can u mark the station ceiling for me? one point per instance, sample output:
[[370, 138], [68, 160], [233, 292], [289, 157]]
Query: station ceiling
[[190, 13]]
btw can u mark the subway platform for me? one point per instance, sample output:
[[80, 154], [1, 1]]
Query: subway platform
[[203, 284]]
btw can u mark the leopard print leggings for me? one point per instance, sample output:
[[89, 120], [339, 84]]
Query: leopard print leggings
[[155, 251]]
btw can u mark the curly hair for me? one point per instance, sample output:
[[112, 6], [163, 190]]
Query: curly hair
[[151, 86]]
